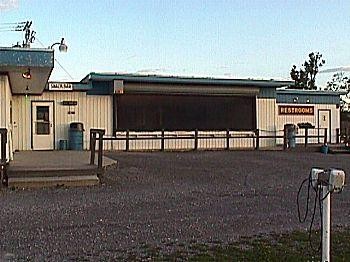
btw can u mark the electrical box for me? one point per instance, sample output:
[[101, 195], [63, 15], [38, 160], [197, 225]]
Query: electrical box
[[315, 172], [336, 180]]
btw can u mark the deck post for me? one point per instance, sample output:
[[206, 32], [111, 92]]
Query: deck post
[[162, 141], [227, 139], [100, 147], [3, 162], [127, 141], [257, 143], [306, 136], [285, 141], [92, 146], [3, 132], [337, 136]]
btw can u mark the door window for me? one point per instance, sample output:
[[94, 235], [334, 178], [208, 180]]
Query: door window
[[42, 120]]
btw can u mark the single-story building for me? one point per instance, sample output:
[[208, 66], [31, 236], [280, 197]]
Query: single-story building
[[37, 113], [319, 108]]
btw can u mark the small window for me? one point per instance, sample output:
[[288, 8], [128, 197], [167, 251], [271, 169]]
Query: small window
[[42, 120], [42, 113]]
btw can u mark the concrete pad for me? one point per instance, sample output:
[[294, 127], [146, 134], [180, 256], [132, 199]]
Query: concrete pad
[[55, 160], [54, 168]]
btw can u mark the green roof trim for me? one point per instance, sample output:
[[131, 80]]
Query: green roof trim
[[310, 92], [185, 80], [297, 96], [26, 57]]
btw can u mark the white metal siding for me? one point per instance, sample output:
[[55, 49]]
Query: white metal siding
[[266, 120], [92, 111], [313, 119], [5, 112], [97, 112]]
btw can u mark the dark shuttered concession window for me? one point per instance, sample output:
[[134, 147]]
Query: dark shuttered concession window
[[144, 112]]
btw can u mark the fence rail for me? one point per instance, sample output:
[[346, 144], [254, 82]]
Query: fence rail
[[218, 139], [255, 136]]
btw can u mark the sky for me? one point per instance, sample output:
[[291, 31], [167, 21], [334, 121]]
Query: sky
[[214, 38]]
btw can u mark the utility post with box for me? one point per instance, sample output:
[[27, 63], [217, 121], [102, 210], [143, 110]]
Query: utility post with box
[[325, 182]]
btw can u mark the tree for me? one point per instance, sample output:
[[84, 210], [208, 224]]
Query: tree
[[305, 77], [340, 82]]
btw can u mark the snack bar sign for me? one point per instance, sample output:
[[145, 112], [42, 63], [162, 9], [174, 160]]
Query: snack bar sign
[[60, 86], [296, 110]]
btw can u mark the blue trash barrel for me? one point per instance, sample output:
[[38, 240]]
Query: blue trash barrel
[[291, 133], [75, 133]]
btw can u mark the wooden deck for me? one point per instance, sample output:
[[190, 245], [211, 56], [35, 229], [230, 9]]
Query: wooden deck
[[53, 168]]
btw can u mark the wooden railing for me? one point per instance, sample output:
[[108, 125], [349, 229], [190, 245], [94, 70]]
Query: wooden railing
[[226, 137], [3, 160], [93, 138], [255, 136]]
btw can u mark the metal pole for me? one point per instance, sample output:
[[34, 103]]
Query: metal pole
[[326, 224]]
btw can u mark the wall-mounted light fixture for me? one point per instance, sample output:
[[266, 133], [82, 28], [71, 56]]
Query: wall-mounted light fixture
[[62, 46], [27, 74], [308, 100], [295, 99]]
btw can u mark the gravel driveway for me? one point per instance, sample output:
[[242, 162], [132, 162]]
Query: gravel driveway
[[164, 201]]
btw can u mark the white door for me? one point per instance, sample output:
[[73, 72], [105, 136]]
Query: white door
[[42, 126], [324, 122]]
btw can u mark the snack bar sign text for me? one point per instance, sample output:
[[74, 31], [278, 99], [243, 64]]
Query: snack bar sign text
[[60, 87]]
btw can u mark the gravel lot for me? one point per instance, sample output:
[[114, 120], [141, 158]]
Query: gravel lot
[[165, 201]]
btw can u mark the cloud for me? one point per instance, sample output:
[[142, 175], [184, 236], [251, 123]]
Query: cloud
[[336, 69], [6, 5]]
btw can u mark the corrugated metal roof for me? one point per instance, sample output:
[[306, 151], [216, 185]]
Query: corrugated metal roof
[[186, 80]]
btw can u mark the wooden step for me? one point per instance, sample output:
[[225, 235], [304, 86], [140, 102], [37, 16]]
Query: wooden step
[[50, 172], [51, 177], [52, 181]]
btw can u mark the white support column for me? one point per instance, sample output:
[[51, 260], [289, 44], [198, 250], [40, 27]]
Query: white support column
[[326, 224]]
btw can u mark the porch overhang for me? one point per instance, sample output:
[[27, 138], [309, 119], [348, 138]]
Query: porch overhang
[[18, 62]]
